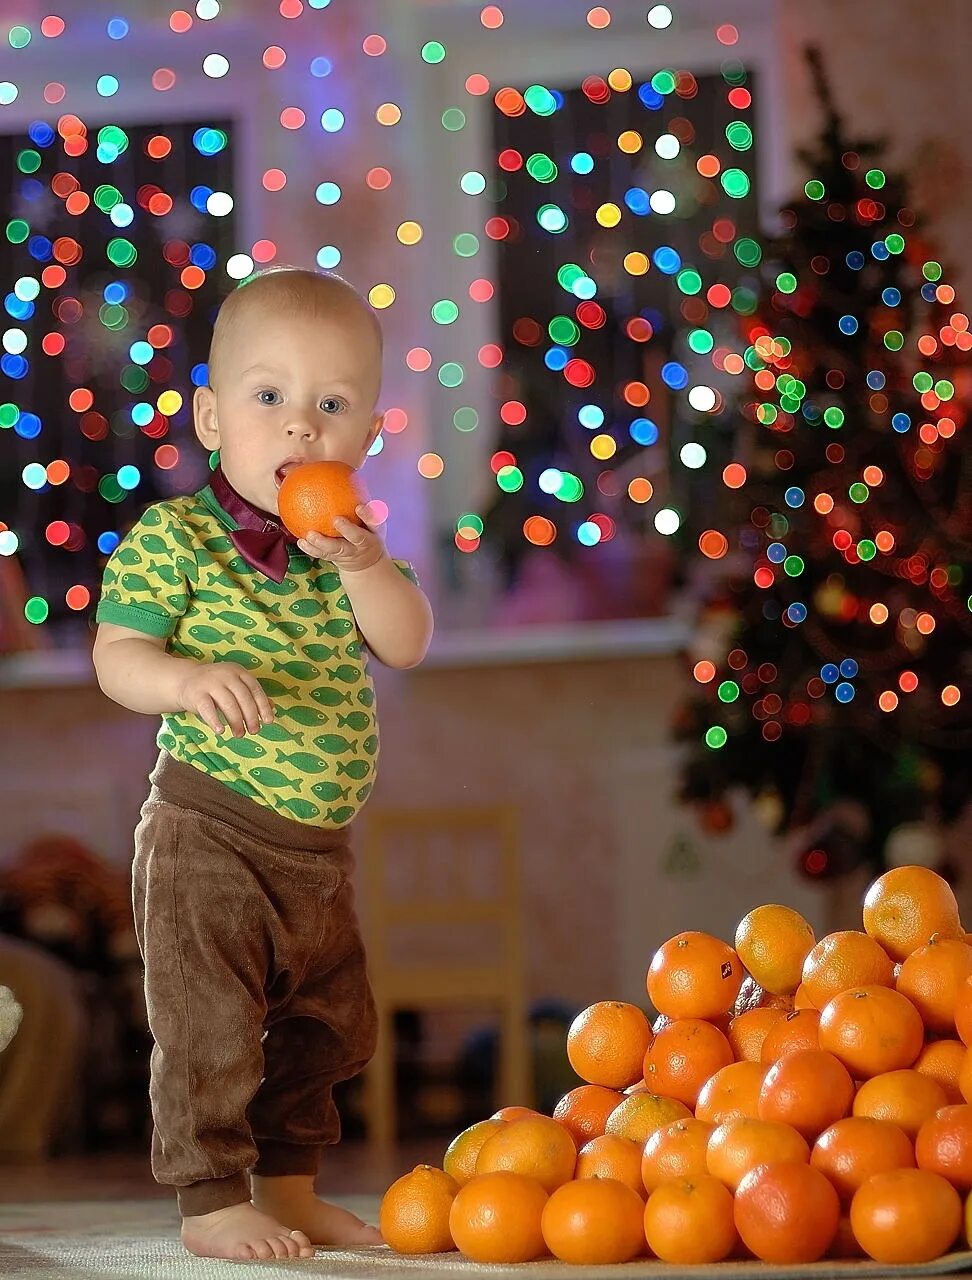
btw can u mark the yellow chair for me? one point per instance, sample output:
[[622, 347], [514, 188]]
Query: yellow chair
[[443, 923]]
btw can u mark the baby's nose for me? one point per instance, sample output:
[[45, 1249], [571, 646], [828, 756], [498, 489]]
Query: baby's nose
[[302, 428]]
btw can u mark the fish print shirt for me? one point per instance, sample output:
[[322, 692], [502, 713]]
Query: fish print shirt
[[177, 575]]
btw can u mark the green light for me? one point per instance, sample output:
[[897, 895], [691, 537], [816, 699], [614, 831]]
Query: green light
[[445, 311], [569, 274], [453, 119], [540, 100], [733, 72], [735, 183], [747, 251], [875, 178], [451, 374], [789, 404], [767, 414], [36, 610], [743, 301], [19, 38], [134, 379], [110, 489], [932, 271], [213, 460], [739, 135], [541, 168], [716, 737], [28, 161], [465, 419], [471, 521], [433, 52], [793, 566], [866, 549], [785, 345], [815, 189], [779, 526], [510, 479], [121, 253], [700, 341], [922, 382], [894, 340], [663, 82], [17, 230], [689, 281], [564, 331], [112, 136], [570, 488], [786, 282], [834, 417], [9, 414], [466, 245], [552, 218], [944, 389], [858, 492], [113, 316], [895, 243], [728, 691], [106, 197]]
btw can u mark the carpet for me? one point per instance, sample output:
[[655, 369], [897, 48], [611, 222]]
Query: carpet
[[139, 1240]]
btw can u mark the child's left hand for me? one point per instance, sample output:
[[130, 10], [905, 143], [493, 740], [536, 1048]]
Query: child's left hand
[[359, 546]]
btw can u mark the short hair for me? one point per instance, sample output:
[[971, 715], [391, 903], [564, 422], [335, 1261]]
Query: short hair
[[291, 289]]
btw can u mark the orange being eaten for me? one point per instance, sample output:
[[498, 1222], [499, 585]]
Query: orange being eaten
[[311, 496]]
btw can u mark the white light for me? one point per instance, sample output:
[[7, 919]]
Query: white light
[[239, 266], [667, 146], [122, 215], [207, 9], [15, 341], [702, 398], [693, 456], [27, 288], [659, 16], [219, 204], [9, 542], [667, 521], [215, 65], [662, 201], [550, 480]]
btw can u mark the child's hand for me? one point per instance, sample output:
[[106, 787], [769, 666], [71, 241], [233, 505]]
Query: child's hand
[[357, 548], [212, 689]]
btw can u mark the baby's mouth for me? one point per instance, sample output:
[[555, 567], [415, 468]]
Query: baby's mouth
[[285, 468]]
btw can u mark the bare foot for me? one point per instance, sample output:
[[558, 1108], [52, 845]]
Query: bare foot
[[243, 1233], [292, 1200]]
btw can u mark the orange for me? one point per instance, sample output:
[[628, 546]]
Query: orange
[[844, 1243], [773, 942], [965, 1078], [496, 1218], [786, 1212], [854, 1148], [748, 1031], [943, 1061], [733, 1091], [740, 1145], [963, 1012], [313, 495], [752, 996], [596, 1221], [689, 1221], [584, 1111], [797, 1030], [463, 1151], [906, 1098], [513, 1113], [536, 1147], [607, 1043], [800, 998], [906, 1216], [809, 1090], [683, 1056], [640, 1114], [694, 975], [906, 906], [844, 960], [944, 1145], [414, 1213], [611, 1157], [872, 1030], [675, 1151], [932, 976]]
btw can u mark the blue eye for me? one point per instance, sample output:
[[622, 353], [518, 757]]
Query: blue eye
[[274, 397], [331, 401]]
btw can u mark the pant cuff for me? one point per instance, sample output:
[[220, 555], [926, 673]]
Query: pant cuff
[[280, 1159], [213, 1193]]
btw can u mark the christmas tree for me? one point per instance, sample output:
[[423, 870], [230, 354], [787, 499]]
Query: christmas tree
[[841, 684]]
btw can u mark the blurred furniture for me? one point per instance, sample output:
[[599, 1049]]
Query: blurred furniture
[[443, 926]]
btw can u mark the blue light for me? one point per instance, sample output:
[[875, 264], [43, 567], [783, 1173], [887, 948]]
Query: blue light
[[34, 476], [928, 292], [876, 380], [550, 480], [107, 86], [674, 375], [332, 120], [901, 423], [637, 200], [556, 358], [880, 251], [829, 673], [844, 693], [40, 248], [847, 324], [666, 260], [13, 366], [199, 375], [31, 189], [17, 307], [117, 28], [40, 133], [849, 668], [776, 553], [643, 431], [328, 256], [320, 67], [202, 255], [122, 215], [28, 427], [209, 142], [199, 197], [376, 446], [891, 297], [107, 542], [582, 162], [318, 4], [588, 534], [585, 287], [141, 353], [797, 612], [142, 413], [590, 416], [328, 193], [795, 497], [129, 477], [855, 259], [650, 97], [558, 98], [116, 292]]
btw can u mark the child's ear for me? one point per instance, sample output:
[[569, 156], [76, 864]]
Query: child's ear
[[372, 436], [204, 417]]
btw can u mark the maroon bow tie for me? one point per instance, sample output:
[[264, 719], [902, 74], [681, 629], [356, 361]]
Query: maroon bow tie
[[261, 539]]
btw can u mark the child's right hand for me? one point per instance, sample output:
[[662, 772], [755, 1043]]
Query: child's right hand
[[214, 689]]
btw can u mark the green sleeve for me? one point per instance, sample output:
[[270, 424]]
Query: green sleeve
[[149, 577]]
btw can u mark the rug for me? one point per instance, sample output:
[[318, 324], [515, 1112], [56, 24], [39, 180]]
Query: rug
[[139, 1240]]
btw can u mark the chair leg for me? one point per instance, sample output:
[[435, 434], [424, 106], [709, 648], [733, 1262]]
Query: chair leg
[[380, 1086], [514, 1063]]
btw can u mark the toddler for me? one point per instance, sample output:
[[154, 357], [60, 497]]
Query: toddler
[[253, 650]]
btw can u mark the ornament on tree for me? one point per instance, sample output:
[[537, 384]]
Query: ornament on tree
[[835, 843]]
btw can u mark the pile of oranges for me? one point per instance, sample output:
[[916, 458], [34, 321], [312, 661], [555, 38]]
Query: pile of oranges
[[792, 1099]]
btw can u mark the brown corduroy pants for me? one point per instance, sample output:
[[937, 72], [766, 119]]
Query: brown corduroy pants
[[255, 981]]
